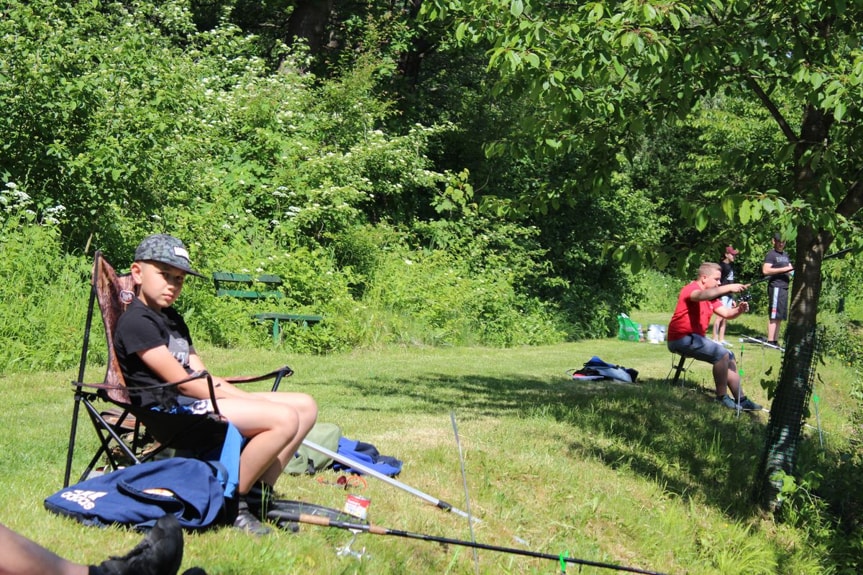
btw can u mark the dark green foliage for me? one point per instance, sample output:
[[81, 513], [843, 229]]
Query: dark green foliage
[[93, 101]]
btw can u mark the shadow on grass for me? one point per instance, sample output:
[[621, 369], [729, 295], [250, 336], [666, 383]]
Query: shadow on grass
[[678, 437]]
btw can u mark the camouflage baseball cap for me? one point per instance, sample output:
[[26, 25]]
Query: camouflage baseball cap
[[166, 249]]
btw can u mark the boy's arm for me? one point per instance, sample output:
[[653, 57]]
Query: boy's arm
[[223, 388], [166, 367], [711, 294], [732, 312], [769, 270]]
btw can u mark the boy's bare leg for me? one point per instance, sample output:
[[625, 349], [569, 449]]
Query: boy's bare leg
[[726, 378], [270, 428], [721, 372], [307, 413], [773, 329]]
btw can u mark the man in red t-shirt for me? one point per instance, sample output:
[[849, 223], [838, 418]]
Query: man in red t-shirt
[[698, 301]]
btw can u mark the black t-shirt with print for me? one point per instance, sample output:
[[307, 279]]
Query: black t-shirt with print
[[139, 329], [778, 259]]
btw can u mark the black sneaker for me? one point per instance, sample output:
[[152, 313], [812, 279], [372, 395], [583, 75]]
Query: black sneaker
[[246, 521], [287, 525], [159, 553], [260, 498], [747, 404]]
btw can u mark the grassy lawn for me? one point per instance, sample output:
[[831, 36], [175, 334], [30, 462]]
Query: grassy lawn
[[645, 475]]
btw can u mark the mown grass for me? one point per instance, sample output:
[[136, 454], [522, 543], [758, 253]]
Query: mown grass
[[646, 475]]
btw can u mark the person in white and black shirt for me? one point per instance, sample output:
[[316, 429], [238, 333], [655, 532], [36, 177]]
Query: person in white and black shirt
[[726, 270]]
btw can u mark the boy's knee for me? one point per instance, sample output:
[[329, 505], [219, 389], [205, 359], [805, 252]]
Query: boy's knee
[[285, 419], [307, 405]]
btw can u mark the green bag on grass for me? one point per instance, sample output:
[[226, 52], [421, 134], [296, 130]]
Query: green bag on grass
[[307, 460], [628, 330]]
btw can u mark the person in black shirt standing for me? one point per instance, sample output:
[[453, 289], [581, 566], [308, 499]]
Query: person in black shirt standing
[[726, 270], [777, 266]]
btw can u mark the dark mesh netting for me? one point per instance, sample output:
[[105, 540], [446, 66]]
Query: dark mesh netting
[[787, 414]]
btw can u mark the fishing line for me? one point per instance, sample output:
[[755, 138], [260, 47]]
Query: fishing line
[[740, 381], [466, 496]]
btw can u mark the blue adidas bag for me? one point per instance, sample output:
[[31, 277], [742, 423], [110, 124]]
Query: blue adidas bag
[[192, 490], [188, 489]]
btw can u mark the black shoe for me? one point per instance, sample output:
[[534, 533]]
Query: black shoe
[[747, 404], [159, 553], [194, 571], [260, 498], [287, 525], [246, 521], [726, 401]]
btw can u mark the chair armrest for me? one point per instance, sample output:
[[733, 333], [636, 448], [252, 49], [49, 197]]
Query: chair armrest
[[276, 375], [128, 390]]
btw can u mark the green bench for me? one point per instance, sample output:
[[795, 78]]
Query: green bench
[[245, 286]]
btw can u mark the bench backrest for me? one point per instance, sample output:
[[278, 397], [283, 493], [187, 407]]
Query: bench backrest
[[244, 285]]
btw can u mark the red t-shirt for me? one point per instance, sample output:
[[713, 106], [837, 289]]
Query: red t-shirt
[[690, 316]]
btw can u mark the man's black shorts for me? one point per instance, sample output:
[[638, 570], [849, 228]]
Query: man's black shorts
[[777, 302]]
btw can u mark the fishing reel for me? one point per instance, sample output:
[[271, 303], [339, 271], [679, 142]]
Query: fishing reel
[[744, 297]]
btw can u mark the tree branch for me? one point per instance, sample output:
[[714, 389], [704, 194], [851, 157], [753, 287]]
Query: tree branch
[[771, 107], [852, 202]]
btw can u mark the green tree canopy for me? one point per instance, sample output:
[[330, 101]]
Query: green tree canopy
[[601, 73]]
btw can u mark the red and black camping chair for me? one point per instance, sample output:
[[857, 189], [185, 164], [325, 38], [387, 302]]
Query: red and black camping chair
[[129, 434]]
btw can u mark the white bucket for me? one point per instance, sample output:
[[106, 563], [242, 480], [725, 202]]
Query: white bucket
[[656, 333]]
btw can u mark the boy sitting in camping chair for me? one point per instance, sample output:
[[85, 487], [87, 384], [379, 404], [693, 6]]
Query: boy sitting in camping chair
[[154, 346]]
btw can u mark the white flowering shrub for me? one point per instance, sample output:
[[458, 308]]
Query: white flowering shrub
[[42, 289]]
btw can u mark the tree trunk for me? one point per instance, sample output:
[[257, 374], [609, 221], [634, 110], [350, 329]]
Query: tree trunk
[[411, 60], [308, 21], [790, 404], [791, 401]]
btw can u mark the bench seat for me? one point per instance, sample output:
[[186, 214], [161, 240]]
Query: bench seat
[[244, 286]]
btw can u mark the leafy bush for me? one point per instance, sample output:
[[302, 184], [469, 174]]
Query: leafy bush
[[41, 295], [659, 291], [431, 298], [312, 286]]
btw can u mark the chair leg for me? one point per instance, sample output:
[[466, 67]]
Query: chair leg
[[678, 370], [70, 450]]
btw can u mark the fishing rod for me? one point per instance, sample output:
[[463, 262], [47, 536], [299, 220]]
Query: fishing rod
[[838, 254], [759, 280], [352, 463], [466, 495], [747, 295], [378, 530]]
